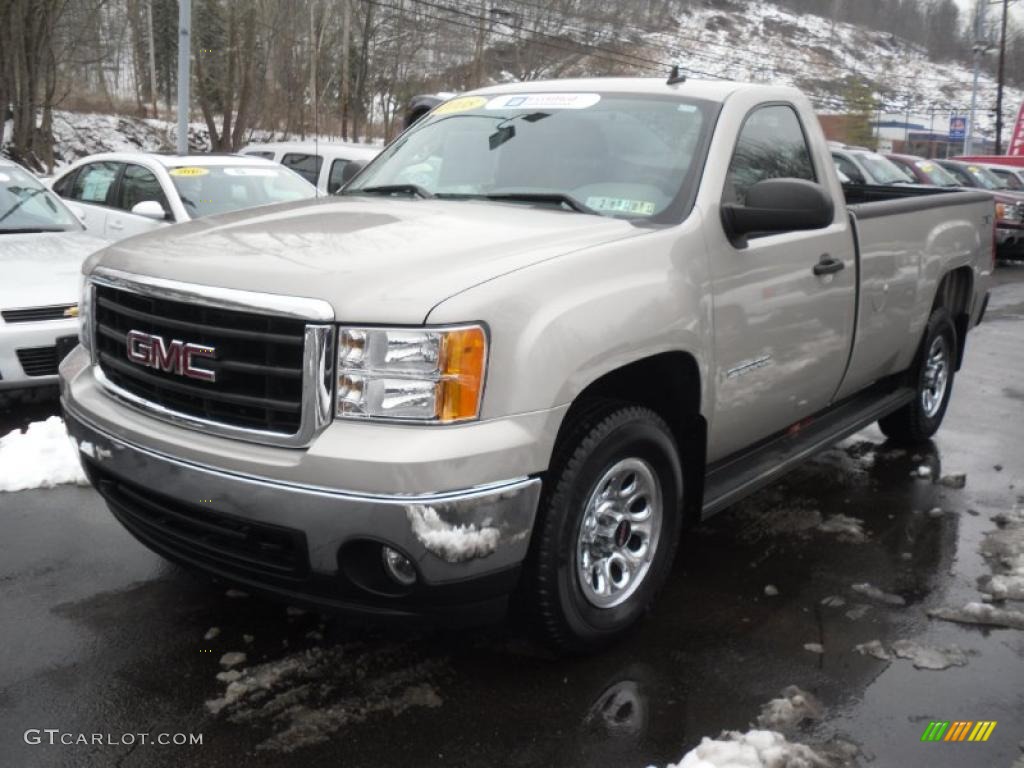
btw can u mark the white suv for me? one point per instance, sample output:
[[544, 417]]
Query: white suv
[[328, 165]]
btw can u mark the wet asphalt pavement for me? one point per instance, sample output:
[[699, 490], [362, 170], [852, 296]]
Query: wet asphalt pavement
[[98, 635]]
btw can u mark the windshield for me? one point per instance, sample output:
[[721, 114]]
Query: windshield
[[936, 174], [206, 190], [882, 169], [636, 157], [981, 177], [27, 206]]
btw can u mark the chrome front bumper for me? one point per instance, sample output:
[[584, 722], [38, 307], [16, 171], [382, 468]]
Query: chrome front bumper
[[452, 538]]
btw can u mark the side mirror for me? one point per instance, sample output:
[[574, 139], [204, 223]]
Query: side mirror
[[150, 209], [778, 205]]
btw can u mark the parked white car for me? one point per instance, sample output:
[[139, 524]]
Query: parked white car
[[328, 165], [42, 247], [127, 193], [862, 166]]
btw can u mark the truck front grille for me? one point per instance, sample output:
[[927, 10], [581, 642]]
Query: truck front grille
[[258, 359], [38, 361], [34, 314], [197, 533]]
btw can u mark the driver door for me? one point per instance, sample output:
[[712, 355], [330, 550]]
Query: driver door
[[781, 333]]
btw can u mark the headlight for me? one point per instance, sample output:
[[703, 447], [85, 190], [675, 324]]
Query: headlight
[[1008, 212], [85, 314], [416, 374]]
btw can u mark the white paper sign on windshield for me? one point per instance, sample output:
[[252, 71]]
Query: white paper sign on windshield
[[545, 101]]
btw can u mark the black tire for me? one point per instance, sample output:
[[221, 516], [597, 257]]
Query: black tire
[[602, 436], [916, 421]]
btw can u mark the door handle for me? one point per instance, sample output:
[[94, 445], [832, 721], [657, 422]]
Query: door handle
[[115, 224], [827, 266]]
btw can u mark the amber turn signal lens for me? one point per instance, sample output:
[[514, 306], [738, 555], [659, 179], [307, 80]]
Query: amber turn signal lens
[[463, 357]]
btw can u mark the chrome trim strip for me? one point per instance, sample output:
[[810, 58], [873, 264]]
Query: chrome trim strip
[[435, 497], [314, 310], [317, 359]]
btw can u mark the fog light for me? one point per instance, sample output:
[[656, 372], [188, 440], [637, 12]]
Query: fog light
[[398, 567]]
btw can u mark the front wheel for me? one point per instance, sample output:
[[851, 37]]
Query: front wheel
[[608, 526], [933, 373]]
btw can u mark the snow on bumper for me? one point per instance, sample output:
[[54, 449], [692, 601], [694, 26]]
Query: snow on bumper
[[450, 537]]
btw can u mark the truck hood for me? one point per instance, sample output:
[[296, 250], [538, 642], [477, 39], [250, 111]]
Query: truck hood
[[41, 269], [375, 260]]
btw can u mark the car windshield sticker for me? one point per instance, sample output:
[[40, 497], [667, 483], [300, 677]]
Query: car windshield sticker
[[926, 167], [250, 171], [189, 171], [621, 205], [545, 101], [462, 104], [4, 177]]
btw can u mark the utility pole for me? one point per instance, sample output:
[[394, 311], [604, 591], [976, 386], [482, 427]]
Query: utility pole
[[346, 23], [979, 50], [1001, 79], [152, 57], [184, 56]]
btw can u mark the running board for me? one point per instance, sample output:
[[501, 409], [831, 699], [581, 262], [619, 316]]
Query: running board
[[740, 475]]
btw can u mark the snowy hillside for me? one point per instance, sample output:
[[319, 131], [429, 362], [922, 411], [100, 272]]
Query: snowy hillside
[[758, 41]]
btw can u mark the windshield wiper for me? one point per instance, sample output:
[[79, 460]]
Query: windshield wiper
[[392, 189], [552, 198], [31, 193], [30, 230]]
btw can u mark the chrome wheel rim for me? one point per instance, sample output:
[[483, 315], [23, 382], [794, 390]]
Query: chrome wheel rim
[[619, 532], [936, 377]]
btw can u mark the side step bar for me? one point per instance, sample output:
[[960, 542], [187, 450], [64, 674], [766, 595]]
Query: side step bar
[[740, 475]]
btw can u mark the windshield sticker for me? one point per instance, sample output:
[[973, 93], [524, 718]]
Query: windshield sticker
[[926, 167], [250, 171], [545, 101], [189, 171], [462, 104], [621, 205], [4, 177]]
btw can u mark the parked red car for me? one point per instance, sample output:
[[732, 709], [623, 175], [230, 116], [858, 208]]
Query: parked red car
[[950, 173]]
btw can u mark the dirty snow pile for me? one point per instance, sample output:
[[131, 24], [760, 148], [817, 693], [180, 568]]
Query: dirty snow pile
[[40, 457], [753, 749], [792, 708]]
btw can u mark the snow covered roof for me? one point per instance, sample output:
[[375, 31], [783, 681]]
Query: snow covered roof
[[171, 160]]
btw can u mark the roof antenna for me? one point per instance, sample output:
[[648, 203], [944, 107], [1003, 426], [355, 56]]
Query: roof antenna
[[674, 78]]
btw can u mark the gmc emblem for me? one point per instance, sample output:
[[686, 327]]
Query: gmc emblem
[[152, 351]]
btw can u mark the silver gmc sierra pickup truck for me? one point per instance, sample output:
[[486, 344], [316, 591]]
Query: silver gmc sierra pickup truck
[[550, 327]]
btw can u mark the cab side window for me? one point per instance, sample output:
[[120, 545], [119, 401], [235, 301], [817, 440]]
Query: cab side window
[[771, 145], [138, 185], [94, 183], [307, 166]]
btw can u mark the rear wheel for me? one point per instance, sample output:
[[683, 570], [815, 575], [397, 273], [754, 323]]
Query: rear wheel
[[607, 528], [933, 375]]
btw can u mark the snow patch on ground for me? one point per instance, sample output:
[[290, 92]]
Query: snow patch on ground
[[40, 457], [307, 696], [930, 657], [873, 592], [792, 708], [753, 749], [452, 543], [1003, 549], [982, 614], [875, 649], [848, 529]]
